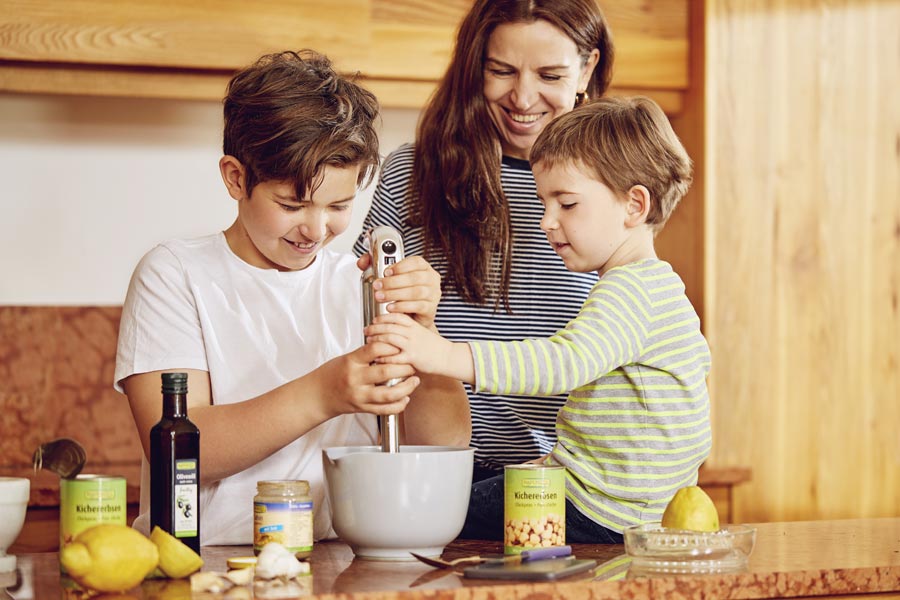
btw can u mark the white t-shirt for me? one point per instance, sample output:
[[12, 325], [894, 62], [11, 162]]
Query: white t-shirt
[[193, 304]]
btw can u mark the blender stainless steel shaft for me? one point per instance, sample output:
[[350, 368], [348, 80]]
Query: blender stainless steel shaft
[[386, 248]]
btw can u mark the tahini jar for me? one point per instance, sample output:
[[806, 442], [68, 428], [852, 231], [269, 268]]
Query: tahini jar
[[283, 513]]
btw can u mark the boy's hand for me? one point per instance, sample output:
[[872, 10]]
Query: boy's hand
[[412, 287], [352, 383], [538, 461], [424, 349]]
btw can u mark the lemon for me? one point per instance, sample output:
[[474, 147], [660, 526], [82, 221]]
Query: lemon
[[109, 558], [241, 562], [692, 509], [176, 559]]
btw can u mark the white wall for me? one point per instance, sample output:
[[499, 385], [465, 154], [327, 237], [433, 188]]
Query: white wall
[[90, 184]]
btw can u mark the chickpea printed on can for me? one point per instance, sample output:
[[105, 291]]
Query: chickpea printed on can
[[535, 507]]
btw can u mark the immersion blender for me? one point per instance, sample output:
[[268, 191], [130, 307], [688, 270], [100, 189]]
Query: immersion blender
[[386, 248]]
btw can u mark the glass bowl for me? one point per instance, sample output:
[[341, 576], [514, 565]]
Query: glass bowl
[[657, 549]]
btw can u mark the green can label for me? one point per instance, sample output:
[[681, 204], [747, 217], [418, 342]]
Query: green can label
[[89, 500], [535, 507]]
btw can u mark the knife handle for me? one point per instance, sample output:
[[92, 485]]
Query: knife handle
[[543, 553]]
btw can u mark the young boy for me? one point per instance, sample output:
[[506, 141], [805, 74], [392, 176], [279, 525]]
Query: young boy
[[266, 321], [635, 426]]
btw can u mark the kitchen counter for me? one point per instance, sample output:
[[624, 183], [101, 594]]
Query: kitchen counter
[[812, 558]]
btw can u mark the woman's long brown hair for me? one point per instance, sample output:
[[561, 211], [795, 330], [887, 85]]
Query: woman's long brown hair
[[456, 193]]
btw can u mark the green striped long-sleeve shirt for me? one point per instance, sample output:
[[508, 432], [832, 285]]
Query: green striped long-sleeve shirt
[[635, 426]]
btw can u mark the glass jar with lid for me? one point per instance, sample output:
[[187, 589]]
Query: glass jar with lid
[[283, 513]]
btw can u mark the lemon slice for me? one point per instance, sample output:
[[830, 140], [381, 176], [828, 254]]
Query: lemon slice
[[241, 562], [176, 559]]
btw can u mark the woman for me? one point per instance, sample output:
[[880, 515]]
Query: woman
[[464, 196]]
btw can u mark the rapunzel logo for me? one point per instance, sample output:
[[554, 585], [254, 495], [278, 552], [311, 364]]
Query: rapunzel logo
[[99, 494], [535, 482]]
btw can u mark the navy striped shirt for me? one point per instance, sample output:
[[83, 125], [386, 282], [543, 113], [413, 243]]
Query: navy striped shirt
[[543, 297]]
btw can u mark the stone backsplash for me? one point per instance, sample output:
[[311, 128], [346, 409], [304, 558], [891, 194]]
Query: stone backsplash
[[56, 380]]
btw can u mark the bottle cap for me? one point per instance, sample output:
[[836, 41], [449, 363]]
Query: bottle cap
[[174, 383]]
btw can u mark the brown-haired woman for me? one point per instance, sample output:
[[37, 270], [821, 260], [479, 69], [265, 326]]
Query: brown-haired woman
[[464, 195]]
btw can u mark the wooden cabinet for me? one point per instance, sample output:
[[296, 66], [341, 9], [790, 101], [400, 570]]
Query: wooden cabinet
[[187, 50]]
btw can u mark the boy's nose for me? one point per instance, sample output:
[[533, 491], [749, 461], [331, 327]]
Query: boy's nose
[[548, 223], [314, 227]]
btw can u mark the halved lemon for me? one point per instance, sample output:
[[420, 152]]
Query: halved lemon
[[176, 559]]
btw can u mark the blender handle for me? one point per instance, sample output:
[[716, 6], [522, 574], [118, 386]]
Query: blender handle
[[385, 248]]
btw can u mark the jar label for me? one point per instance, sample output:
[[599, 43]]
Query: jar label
[[288, 523]]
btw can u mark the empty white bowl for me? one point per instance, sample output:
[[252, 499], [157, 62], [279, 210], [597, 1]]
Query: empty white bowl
[[14, 493], [386, 505]]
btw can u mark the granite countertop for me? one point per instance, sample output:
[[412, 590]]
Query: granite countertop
[[794, 559]]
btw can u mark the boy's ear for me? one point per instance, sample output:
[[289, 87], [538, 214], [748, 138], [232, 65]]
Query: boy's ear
[[637, 201], [234, 177]]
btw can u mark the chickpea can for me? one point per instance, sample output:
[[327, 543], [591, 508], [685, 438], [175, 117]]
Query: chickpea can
[[88, 500], [535, 507]]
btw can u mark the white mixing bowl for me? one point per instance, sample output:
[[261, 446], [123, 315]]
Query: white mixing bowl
[[14, 493], [386, 505]]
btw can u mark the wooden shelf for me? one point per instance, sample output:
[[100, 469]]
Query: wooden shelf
[[719, 484], [400, 48]]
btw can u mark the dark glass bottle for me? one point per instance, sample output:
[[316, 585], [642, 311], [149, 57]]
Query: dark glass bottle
[[175, 466]]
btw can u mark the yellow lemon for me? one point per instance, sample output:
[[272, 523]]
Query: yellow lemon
[[109, 558], [176, 559], [692, 509]]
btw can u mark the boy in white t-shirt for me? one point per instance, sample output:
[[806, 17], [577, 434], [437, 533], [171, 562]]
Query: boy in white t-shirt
[[265, 320]]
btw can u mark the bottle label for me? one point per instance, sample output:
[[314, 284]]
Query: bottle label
[[186, 484], [288, 523]]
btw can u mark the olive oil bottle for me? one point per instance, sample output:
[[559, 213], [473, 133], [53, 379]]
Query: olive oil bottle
[[175, 465]]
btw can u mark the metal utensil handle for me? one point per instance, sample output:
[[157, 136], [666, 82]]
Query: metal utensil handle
[[386, 249], [544, 553]]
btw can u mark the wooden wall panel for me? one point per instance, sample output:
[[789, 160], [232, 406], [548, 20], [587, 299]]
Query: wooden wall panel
[[803, 218], [173, 49], [201, 34], [681, 241]]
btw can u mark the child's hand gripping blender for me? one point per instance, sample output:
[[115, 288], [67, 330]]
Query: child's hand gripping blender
[[385, 248]]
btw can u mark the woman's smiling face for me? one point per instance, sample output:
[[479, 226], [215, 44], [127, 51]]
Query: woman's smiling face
[[532, 72]]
